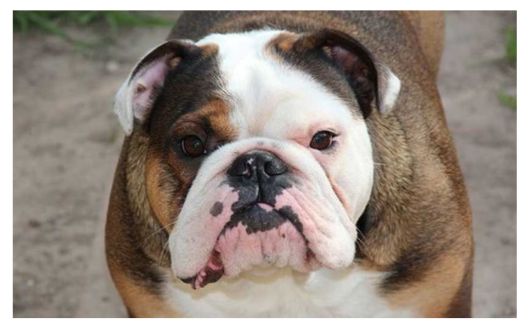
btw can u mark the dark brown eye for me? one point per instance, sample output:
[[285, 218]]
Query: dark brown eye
[[192, 146], [322, 140]]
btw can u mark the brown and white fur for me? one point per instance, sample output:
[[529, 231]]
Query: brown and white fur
[[376, 225]]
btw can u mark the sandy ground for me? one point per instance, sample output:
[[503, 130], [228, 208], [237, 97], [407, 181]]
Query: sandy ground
[[66, 144]]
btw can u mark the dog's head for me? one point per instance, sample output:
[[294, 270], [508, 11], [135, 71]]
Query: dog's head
[[259, 153]]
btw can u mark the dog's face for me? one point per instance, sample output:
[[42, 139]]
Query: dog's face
[[259, 153]]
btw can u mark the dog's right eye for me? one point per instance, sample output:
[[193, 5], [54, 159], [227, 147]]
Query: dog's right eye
[[192, 146], [322, 140]]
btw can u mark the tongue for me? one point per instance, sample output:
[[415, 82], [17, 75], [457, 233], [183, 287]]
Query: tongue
[[212, 272]]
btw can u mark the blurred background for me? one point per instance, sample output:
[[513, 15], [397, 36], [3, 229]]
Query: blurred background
[[67, 67]]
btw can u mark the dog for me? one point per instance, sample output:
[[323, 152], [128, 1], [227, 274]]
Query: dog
[[290, 164]]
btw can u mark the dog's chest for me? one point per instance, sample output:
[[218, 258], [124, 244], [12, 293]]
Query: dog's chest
[[323, 293]]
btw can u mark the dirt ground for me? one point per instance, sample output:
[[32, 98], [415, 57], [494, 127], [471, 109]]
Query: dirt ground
[[67, 140]]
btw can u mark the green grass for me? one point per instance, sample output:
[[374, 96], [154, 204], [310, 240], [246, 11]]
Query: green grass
[[54, 22], [511, 45], [507, 100]]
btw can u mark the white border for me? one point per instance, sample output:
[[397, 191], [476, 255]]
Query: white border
[[267, 5]]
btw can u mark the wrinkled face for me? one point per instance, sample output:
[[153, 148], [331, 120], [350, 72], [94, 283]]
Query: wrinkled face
[[255, 160]]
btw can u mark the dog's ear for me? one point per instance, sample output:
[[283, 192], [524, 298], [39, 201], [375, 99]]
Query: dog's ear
[[372, 81], [136, 97]]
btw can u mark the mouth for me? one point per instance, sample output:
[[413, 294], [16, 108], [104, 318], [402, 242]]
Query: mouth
[[212, 272], [257, 235]]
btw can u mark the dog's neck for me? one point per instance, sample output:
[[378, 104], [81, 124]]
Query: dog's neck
[[285, 293]]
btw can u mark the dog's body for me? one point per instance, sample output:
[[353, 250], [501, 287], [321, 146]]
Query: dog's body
[[247, 186]]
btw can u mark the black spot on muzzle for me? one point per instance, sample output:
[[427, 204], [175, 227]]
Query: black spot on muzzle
[[216, 209]]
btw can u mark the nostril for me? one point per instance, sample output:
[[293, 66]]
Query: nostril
[[248, 170], [240, 167], [275, 167]]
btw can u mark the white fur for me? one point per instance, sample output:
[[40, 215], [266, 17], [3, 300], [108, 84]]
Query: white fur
[[128, 104], [392, 88], [274, 104], [123, 107], [323, 293], [123, 102]]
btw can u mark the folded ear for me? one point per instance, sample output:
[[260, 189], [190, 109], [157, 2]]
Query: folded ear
[[136, 96], [371, 80]]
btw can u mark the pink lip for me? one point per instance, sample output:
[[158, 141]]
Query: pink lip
[[237, 250], [212, 272]]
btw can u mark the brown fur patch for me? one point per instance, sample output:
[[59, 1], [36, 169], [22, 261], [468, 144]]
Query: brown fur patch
[[209, 50], [160, 187], [284, 42], [168, 174], [432, 296], [139, 301], [429, 29], [150, 230], [217, 112]]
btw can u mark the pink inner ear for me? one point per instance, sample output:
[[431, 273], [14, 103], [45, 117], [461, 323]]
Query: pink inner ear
[[343, 58], [148, 80]]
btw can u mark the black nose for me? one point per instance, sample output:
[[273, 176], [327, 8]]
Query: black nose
[[259, 176], [257, 166]]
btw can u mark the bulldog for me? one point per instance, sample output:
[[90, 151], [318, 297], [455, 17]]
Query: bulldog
[[290, 164]]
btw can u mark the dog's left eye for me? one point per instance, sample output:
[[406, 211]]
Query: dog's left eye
[[322, 140], [192, 146]]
